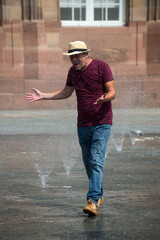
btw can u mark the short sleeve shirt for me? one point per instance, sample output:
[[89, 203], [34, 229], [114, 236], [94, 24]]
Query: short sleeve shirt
[[89, 86]]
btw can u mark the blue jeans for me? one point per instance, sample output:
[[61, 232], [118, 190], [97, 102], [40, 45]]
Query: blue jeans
[[93, 142]]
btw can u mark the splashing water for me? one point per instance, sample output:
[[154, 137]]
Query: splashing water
[[69, 153], [43, 174], [68, 165], [134, 136], [117, 141], [43, 166]]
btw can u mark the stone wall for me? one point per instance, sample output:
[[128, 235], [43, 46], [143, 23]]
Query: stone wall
[[124, 48], [153, 49], [32, 42]]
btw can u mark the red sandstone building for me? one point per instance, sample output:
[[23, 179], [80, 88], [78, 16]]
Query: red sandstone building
[[35, 33]]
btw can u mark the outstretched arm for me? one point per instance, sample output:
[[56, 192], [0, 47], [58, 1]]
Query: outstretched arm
[[64, 93], [110, 93]]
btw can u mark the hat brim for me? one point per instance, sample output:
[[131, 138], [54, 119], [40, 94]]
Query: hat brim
[[76, 52]]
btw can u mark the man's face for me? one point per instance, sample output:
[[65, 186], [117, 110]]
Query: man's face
[[79, 61]]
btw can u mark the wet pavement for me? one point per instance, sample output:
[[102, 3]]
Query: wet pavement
[[43, 184]]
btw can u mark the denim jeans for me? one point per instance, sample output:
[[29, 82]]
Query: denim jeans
[[93, 142]]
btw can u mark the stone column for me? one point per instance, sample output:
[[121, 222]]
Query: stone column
[[49, 51], [138, 10], [41, 39], [11, 45], [138, 31]]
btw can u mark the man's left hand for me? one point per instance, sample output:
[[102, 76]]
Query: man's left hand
[[100, 99]]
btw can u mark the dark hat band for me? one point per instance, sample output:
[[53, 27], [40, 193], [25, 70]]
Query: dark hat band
[[77, 50]]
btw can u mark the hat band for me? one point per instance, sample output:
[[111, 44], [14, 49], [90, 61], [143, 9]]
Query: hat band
[[77, 49]]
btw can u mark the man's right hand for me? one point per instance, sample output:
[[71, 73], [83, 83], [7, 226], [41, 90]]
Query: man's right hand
[[35, 96]]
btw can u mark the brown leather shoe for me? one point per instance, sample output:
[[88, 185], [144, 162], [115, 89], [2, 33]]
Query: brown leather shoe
[[100, 202], [90, 208]]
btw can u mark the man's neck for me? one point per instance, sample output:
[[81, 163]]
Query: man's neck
[[89, 60]]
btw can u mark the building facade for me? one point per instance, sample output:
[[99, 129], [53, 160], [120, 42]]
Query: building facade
[[35, 33]]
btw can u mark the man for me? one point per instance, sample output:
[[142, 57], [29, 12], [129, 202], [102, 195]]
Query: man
[[93, 82]]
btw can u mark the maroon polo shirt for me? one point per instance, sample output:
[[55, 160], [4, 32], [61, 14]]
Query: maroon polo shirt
[[89, 86]]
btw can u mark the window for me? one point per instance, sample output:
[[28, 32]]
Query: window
[[73, 10], [92, 12]]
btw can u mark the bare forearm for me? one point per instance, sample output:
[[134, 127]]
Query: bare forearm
[[57, 95], [64, 93], [110, 91], [109, 96], [60, 94]]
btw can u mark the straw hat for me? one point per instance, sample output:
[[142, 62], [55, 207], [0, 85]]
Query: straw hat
[[76, 47]]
